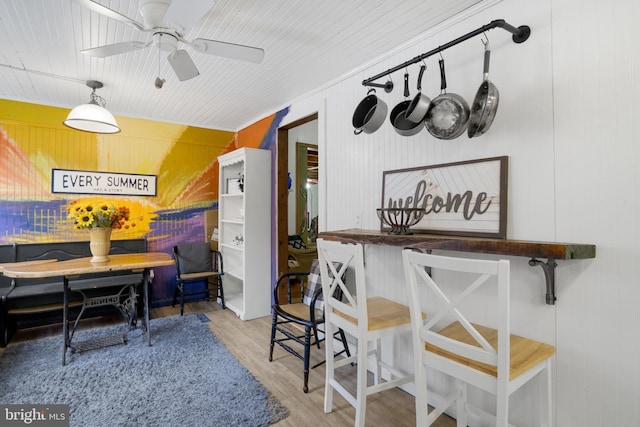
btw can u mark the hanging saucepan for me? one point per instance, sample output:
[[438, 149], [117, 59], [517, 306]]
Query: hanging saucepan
[[420, 103], [397, 117], [485, 104], [448, 114], [369, 114]]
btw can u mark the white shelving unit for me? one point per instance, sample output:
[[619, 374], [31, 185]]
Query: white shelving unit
[[244, 227]]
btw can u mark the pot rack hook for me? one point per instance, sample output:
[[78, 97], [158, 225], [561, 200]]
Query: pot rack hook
[[485, 41]]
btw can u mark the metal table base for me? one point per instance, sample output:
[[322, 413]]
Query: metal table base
[[125, 300]]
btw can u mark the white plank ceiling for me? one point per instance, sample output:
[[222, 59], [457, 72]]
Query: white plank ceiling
[[307, 43]]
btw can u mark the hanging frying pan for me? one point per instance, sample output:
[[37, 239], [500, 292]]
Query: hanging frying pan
[[420, 103], [397, 117], [448, 113], [485, 104], [369, 114]]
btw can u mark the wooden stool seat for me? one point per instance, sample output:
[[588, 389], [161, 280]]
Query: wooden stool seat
[[525, 353], [383, 313]]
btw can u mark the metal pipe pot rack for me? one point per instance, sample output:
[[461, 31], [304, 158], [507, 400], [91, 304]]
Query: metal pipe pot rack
[[520, 35]]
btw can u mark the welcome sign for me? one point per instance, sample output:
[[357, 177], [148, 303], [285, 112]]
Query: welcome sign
[[464, 198], [87, 182]]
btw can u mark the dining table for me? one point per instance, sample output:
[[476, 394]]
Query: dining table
[[76, 276]]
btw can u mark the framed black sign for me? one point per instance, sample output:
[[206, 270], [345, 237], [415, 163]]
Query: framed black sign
[[466, 198]]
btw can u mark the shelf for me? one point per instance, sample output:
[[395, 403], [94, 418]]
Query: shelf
[[233, 247], [242, 219], [235, 303], [232, 221], [551, 250], [237, 272]]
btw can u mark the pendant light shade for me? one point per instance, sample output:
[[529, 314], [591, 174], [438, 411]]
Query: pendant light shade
[[92, 117]]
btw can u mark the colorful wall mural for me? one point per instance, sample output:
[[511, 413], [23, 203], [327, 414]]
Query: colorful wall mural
[[33, 141]]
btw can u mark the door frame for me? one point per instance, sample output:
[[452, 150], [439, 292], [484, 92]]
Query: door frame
[[282, 214]]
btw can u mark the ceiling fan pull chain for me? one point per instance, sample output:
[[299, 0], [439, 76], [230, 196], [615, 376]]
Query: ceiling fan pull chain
[[159, 82]]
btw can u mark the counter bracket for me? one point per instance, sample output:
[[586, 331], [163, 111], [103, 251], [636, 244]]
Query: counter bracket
[[549, 269]]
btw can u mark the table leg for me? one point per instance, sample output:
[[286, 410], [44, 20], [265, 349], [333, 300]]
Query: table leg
[[145, 302], [65, 317]]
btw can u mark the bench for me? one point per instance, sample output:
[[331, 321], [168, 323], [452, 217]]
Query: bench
[[27, 303]]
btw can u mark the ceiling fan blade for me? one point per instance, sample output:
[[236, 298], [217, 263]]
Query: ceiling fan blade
[[182, 65], [115, 49], [109, 13], [229, 50], [184, 14]]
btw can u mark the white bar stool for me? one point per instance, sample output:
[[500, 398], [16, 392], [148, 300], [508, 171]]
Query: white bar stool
[[491, 359], [366, 319]]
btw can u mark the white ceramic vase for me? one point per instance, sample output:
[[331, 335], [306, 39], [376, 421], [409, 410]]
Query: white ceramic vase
[[100, 243]]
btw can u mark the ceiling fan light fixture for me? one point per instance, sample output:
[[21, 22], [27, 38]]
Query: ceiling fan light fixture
[[166, 42], [183, 65], [92, 117]]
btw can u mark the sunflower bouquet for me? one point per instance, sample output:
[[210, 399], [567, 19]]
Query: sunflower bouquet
[[102, 214]]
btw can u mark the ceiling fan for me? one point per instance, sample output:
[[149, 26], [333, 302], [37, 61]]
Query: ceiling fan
[[168, 21]]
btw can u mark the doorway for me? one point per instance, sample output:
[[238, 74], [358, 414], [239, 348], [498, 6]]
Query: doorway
[[306, 193], [282, 188]]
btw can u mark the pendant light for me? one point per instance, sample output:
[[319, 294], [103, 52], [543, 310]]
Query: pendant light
[[92, 117]]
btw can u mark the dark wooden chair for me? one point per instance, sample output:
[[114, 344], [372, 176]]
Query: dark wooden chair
[[199, 271], [301, 311]]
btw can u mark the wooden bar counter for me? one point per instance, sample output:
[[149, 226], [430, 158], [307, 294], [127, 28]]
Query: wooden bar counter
[[532, 249], [483, 245]]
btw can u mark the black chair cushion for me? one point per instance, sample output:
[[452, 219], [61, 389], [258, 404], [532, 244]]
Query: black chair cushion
[[194, 257]]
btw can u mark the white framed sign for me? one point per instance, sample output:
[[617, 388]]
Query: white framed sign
[[466, 198], [87, 182]]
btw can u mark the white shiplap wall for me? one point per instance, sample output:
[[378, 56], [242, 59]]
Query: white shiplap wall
[[596, 88], [568, 122]]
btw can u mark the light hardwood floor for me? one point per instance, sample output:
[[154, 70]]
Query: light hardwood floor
[[248, 341]]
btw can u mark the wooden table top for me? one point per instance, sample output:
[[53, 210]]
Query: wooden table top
[[73, 267], [24, 263]]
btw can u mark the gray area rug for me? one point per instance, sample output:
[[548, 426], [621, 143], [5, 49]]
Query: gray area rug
[[186, 378]]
